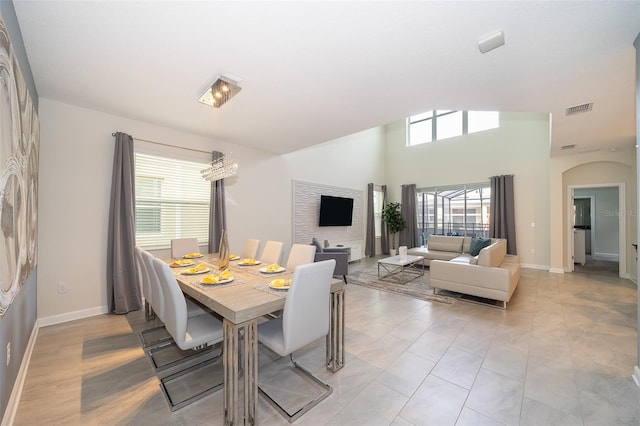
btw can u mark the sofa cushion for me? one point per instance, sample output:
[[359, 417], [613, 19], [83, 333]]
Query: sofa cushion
[[466, 245], [493, 255], [445, 243], [478, 244], [315, 242]]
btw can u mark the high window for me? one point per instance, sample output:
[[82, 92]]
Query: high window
[[454, 210], [443, 124], [377, 210], [172, 201]]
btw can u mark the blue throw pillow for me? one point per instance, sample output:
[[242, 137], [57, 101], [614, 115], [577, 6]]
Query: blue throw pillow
[[478, 244], [315, 242]]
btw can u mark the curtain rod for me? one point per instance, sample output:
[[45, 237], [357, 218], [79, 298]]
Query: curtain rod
[[166, 144]]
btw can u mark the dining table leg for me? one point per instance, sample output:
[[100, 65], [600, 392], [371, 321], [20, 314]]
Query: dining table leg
[[335, 338], [240, 339]]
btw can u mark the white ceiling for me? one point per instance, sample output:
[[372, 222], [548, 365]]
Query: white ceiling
[[315, 71]]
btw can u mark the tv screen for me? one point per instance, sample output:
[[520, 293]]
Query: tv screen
[[335, 211]]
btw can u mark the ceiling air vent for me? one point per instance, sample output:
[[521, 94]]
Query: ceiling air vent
[[568, 146], [579, 109]]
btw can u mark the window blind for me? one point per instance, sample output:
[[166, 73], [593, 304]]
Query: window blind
[[172, 201]]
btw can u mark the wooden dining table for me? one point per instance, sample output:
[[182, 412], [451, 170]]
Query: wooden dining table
[[242, 303]]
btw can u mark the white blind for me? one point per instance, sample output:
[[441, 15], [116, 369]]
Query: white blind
[[172, 201]]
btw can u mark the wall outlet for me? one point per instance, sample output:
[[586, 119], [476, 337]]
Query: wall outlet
[[8, 353], [63, 288]]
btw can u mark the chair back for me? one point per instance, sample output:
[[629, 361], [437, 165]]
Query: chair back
[[157, 296], [305, 318], [175, 305], [182, 246], [300, 254], [250, 249], [271, 252], [144, 275]]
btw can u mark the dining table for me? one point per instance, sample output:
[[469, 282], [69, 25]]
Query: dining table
[[242, 303]]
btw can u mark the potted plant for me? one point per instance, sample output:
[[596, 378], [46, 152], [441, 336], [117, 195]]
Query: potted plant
[[395, 223]]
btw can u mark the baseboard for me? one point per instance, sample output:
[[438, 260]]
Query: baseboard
[[636, 376], [534, 266], [16, 392], [71, 316], [556, 270], [611, 257]]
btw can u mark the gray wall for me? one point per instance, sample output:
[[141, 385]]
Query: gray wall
[[18, 322]]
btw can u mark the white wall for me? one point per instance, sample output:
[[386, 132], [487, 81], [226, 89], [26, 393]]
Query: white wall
[[519, 147], [76, 161], [605, 227]]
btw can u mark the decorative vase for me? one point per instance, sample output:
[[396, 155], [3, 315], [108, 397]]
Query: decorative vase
[[392, 252], [223, 251]]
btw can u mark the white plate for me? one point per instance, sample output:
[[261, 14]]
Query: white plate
[[234, 258], [192, 257], [183, 266], [277, 271], [250, 264], [228, 280], [204, 271], [284, 287]]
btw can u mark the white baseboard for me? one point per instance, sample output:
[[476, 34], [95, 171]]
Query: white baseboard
[[636, 376], [534, 266], [71, 316], [16, 392], [556, 270], [611, 257]]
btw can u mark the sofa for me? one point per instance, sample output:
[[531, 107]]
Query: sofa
[[340, 255], [455, 266]]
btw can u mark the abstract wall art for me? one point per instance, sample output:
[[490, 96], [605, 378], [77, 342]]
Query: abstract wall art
[[19, 144]]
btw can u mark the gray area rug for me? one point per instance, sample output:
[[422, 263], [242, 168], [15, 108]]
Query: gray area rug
[[418, 288]]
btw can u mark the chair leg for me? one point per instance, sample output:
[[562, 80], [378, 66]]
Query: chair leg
[[292, 417]]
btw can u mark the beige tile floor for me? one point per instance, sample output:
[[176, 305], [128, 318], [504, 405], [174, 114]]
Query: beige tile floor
[[562, 354]]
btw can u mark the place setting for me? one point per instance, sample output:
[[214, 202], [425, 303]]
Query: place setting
[[249, 262], [273, 268], [216, 280]]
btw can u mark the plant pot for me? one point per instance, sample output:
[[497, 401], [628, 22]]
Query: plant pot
[[392, 252]]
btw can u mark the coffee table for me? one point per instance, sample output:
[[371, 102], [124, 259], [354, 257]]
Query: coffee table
[[401, 269]]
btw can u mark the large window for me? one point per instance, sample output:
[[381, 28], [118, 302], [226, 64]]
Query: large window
[[377, 210], [443, 124], [172, 201], [454, 210]]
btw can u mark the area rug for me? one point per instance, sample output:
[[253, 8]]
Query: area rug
[[418, 288]]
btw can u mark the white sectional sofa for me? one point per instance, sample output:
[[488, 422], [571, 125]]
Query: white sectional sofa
[[492, 274]]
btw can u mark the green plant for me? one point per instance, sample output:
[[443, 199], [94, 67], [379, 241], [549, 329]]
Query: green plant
[[392, 217]]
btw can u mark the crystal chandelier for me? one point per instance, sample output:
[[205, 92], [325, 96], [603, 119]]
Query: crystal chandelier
[[220, 168]]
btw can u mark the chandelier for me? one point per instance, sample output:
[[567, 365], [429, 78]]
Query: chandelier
[[220, 91], [220, 168]]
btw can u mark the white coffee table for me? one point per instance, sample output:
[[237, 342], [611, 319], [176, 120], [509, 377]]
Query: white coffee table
[[400, 269]]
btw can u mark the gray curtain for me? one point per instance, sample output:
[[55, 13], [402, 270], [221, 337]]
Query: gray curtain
[[217, 215], [503, 220], [123, 287], [409, 236], [384, 238], [370, 240]]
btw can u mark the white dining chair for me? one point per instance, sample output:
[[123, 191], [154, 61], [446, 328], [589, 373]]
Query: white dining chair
[[304, 320], [182, 246], [300, 254], [271, 252], [146, 286], [188, 332], [250, 249]]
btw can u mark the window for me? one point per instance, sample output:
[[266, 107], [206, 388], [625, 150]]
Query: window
[[454, 210], [172, 201], [443, 124], [377, 211]]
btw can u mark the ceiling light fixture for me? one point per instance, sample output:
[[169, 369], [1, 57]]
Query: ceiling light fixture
[[220, 168], [491, 41], [221, 91]]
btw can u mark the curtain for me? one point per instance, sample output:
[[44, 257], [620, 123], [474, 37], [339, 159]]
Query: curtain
[[217, 215], [370, 241], [503, 221], [123, 287], [384, 238], [409, 236]]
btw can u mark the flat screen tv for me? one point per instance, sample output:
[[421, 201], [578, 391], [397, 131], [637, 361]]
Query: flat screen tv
[[335, 211]]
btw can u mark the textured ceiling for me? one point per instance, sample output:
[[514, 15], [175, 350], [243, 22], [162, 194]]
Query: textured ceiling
[[314, 71]]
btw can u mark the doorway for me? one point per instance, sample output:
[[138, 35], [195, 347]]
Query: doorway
[[597, 237]]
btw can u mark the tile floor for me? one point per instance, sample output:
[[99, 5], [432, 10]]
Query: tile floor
[[562, 354]]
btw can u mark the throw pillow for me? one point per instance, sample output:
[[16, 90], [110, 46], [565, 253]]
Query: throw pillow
[[478, 244], [315, 242]]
